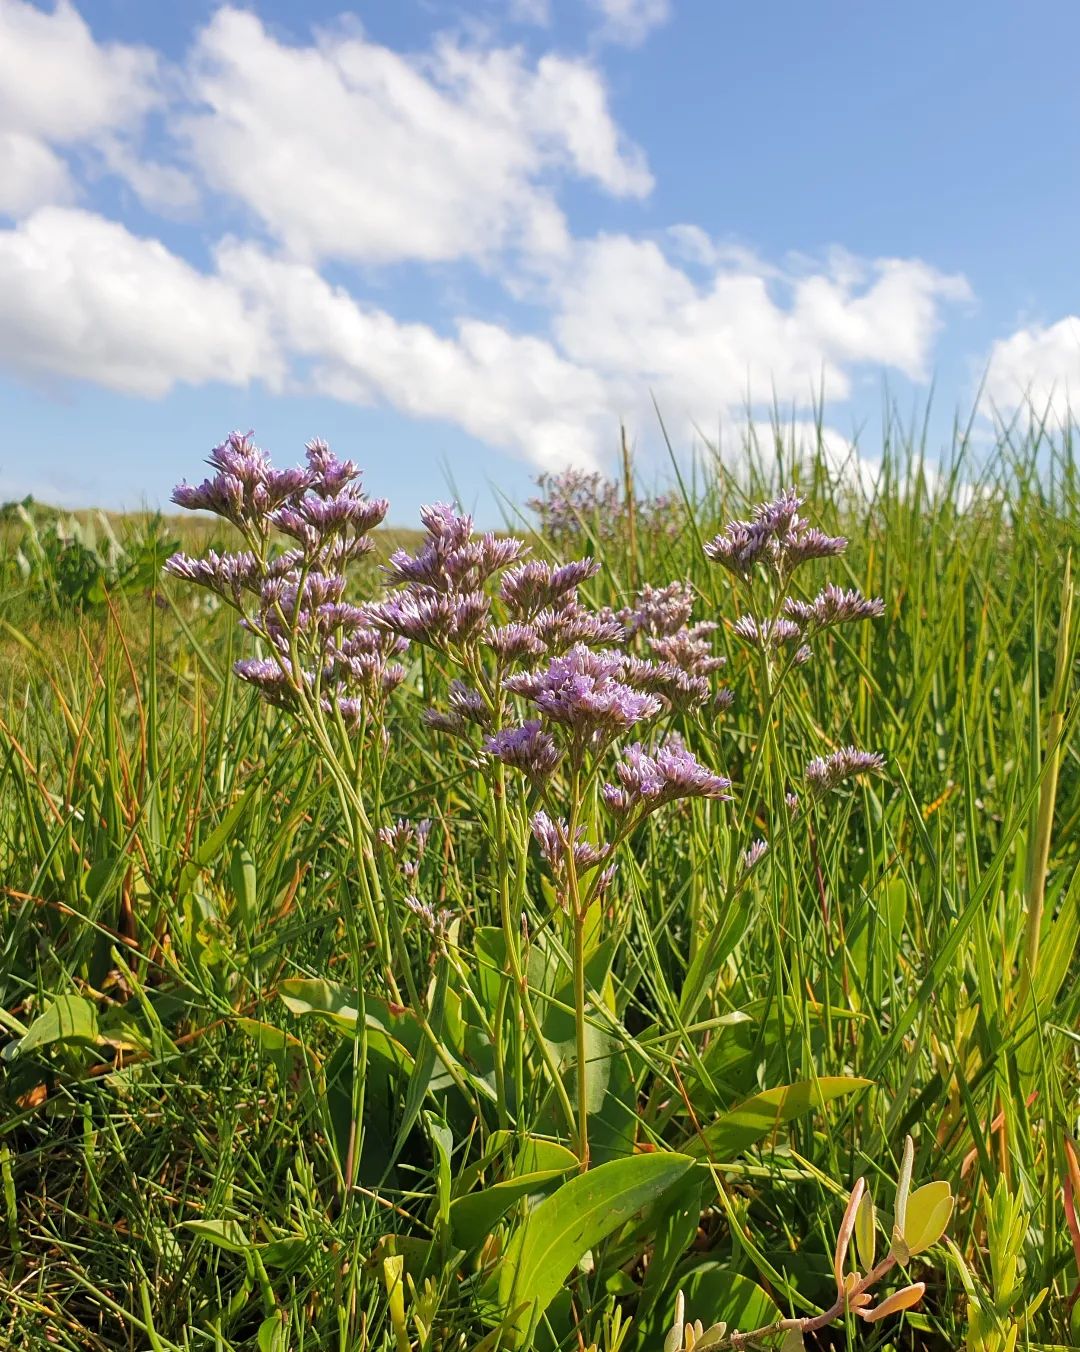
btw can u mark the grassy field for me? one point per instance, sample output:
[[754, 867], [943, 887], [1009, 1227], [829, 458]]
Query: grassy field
[[272, 1081]]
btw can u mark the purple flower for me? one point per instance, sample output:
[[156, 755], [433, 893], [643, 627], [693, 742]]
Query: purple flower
[[512, 642], [536, 585], [810, 543], [406, 841], [464, 567], [776, 536], [326, 474], [689, 649], [834, 605], [528, 748], [766, 634], [445, 524], [571, 624], [227, 574], [436, 922], [677, 687], [431, 617], [581, 690], [754, 855], [223, 495], [267, 676], [659, 611], [828, 772], [553, 837], [793, 804], [650, 779], [468, 703], [740, 546], [780, 516]]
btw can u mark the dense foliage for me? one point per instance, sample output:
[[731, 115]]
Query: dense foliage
[[654, 930]]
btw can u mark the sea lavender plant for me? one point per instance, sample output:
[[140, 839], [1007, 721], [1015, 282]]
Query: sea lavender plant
[[330, 664], [542, 683]]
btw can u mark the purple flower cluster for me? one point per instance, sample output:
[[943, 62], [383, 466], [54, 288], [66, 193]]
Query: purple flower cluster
[[293, 599], [529, 748], [825, 773], [681, 662], [648, 779], [768, 635], [833, 605], [442, 602], [575, 505], [775, 537], [405, 842], [583, 691], [659, 611], [553, 837]]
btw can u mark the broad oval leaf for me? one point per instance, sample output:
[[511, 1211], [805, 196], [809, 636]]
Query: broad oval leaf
[[928, 1212], [573, 1220], [473, 1217], [69, 1018], [742, 1127], [866, 1232]]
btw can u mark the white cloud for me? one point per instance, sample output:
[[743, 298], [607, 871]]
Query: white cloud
[[512, 391], [625, 310], [346, 149], [531, 11], [30, 174], [85, 299], [59, 88], [56, 82], [349, 151], [1037, 368], [631, 21]]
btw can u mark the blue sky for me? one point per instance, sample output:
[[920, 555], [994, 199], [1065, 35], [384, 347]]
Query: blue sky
[[461, 241]]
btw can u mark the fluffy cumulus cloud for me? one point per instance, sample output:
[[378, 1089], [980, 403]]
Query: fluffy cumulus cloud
[[86, 299], [749, 330], [631, 21], [512, 391], [346, 149], [1036, 369], [31, 173], [340, 158], [60, 88]]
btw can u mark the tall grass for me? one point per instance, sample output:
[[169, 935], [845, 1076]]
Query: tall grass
[[179, 1153]]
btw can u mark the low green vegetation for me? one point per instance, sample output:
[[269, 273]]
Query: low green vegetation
[[575, 974]]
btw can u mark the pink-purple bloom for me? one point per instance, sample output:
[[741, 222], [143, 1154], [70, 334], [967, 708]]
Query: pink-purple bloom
[[825, 773], [649, 779], [582, 691], [529, 748]]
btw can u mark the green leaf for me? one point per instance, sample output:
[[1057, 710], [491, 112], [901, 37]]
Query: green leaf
[[716, 1295], [473, 1218], [760, 1116], [312, 995], [271, 1335], [424, 1065], [304, 996], [243, 881], [575, 1218], [928, 1212], [225, 1234], [866, 1231], [69, 1018]]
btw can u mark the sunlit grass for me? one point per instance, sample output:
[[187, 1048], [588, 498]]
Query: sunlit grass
[[173, 852]]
